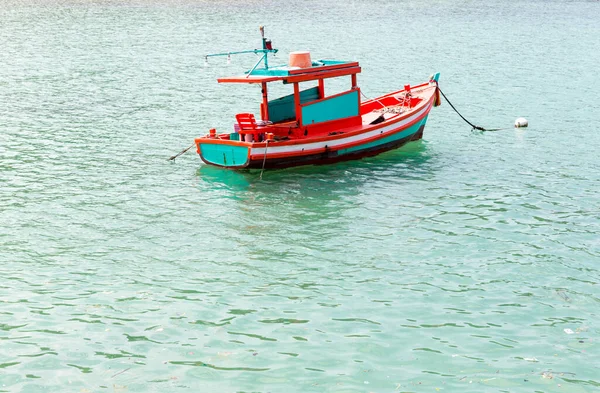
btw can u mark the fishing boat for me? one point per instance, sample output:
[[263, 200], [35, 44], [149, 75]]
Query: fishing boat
[[310, 126]]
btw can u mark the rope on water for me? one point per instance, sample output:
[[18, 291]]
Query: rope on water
[[180, 153], [478, 128]]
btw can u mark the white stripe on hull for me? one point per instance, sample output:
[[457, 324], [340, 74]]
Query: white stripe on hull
[[332, 144]]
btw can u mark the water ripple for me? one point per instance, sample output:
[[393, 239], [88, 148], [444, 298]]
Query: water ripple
[[463, 262]]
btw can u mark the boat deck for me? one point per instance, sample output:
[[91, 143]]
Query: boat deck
[[372, 112]]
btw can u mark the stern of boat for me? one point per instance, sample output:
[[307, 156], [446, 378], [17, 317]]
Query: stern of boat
[[223, 153]]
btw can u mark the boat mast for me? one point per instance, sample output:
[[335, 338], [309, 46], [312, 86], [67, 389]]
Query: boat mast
[[264, 45], [266, 49]]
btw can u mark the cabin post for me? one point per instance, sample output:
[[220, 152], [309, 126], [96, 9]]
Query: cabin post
[[264, 113], [297, 103], [355, 87], [321, 89]]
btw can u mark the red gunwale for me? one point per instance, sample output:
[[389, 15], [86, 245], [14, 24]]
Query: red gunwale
[[349, 131], [339, 147]]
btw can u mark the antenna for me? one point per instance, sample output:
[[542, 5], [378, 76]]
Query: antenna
[[267, 47]]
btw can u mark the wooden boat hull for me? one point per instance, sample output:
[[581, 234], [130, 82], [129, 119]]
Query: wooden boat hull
[[337, 145], [414, 133]]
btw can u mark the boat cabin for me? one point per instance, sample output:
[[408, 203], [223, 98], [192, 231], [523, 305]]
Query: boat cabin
[[305, 113]]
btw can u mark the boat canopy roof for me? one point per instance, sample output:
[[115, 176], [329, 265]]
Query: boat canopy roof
[[320, 69]]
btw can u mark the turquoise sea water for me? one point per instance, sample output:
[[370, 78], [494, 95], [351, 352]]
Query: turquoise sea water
[[466, 262]]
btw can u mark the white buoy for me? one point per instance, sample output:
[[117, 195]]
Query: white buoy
[[521, 122]]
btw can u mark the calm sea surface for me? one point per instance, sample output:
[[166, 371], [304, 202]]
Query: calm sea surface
[[466, 262]]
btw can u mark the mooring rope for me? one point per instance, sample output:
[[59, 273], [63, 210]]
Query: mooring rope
[[264, 161], [478, 128], [172, 158], [372, 99], [461, 116]]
